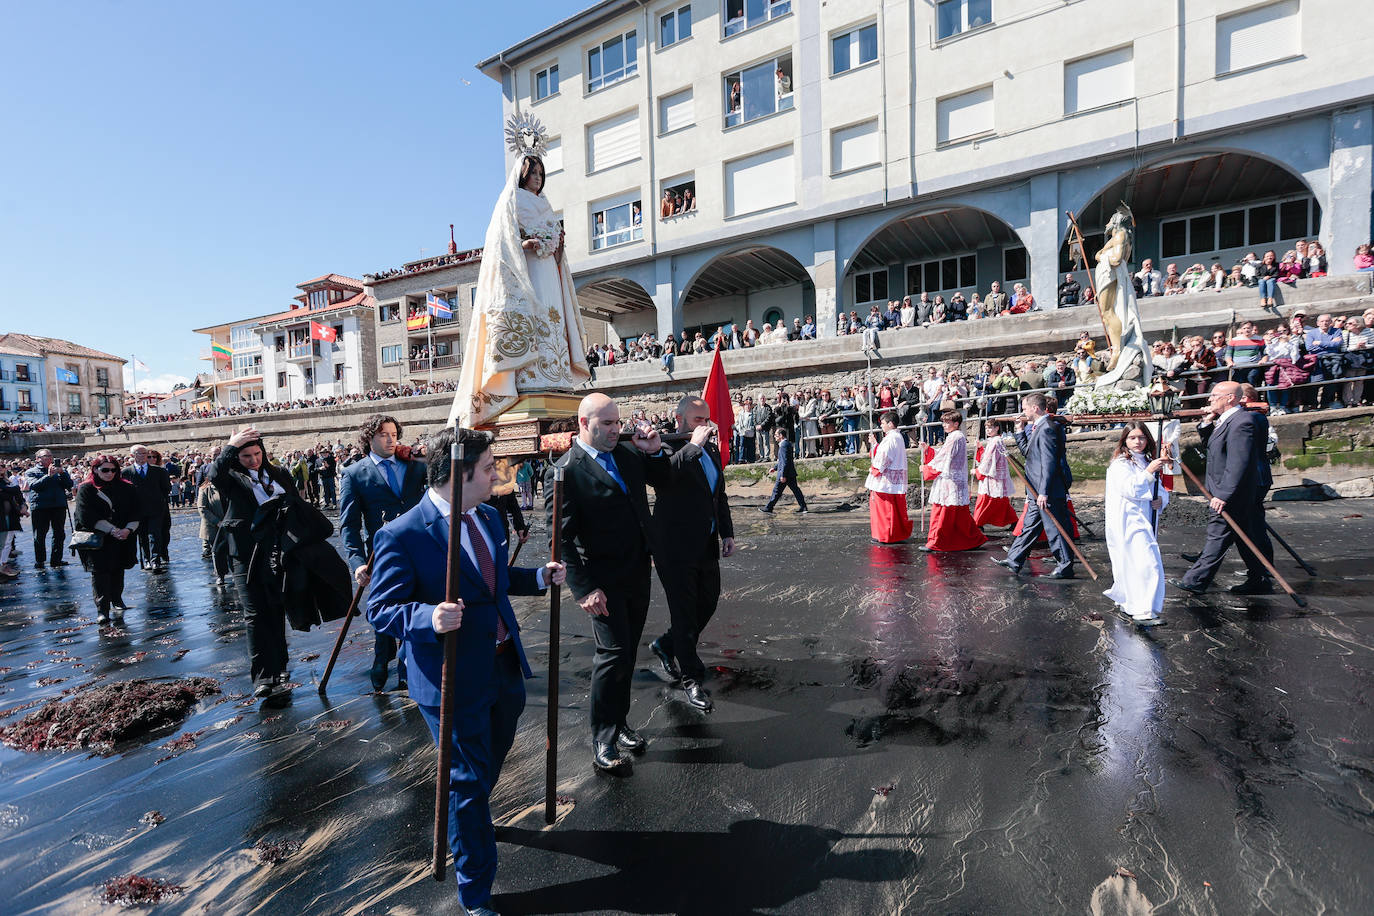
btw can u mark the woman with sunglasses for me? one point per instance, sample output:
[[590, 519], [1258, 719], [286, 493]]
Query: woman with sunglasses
[[107, 504]]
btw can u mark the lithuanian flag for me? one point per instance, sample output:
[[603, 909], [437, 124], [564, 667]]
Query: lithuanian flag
[[221, 351]]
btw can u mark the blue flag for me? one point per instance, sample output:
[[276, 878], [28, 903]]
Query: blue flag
[[66, 375]]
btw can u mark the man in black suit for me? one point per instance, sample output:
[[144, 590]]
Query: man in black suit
[[1047, 470], [1238, 475], [152, 486], [785, 472], [605, 528], [693, 530], [374, 490]]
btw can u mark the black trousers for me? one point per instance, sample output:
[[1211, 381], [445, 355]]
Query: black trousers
[[330, 499], [1220, 537], [791, 484], [219, 552], [45, 520], [107, 574], [693, 590], [152, 538], [265, 617], [617, 644], [1035, 523]]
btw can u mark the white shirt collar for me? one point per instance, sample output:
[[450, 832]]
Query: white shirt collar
[[378, 459], [587, 448], [443, 506], [1226, 413]]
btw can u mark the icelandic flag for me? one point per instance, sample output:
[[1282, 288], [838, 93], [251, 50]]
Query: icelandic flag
[[438, 306]]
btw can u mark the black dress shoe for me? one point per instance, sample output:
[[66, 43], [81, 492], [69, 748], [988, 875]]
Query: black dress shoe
[[1065, 572], [1253, 587], [402, 685], [119, 605], [378, 676], [607, 757], [1008, 564], [1193, 589], [697, 697], [1191, 557], [669, 666], [631, 740], [59, 563]]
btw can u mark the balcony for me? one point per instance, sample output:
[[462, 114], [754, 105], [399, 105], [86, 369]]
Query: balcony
[[308, 350], [25, 408], [439, 362]]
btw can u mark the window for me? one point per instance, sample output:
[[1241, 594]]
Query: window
[[955, 16], [854, 48], [675, 111], [1258, 36], [281, 379], [102, 404], [391, 355], [553, 156], [612, 61], [679, 197], [21, 372], [1249, 227], [338, 336], [613, 141], [739, 15], [854, 146], [338, 372], [870, 286], [758, 91], [674, 26], [1100, 80], [617, 224], [968, 114], [772, 316], [73, 402], [940, 276], [545, 82], [102, 378], [760, 182], [25, 399], [1015, 265], [389, 313], [318, 299]]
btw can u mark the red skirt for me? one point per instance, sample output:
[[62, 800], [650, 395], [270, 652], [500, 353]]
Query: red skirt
[[888, 520], [995, 511], [1044, 539], [952, 528]]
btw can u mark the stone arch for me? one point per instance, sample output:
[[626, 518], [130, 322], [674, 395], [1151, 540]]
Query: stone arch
[[618, 302], [743, 283]]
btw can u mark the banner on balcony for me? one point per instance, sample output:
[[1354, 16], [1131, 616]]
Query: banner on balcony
[[220, 351], [418, 323]]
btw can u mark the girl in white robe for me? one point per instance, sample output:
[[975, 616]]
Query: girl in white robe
[[1133, 510]]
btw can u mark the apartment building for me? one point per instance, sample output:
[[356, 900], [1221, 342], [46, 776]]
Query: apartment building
[[413, 347], [724, 160]]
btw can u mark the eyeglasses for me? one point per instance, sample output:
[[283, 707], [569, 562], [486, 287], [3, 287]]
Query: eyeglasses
[[107, 470]]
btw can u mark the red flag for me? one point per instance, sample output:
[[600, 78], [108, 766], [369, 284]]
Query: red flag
[[322, 332], [717, 398]]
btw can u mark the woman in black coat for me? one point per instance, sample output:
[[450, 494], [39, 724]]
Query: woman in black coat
[[268, 528], [107, 504]]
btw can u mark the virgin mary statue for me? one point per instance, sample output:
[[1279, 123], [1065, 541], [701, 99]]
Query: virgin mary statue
[[525, 334]]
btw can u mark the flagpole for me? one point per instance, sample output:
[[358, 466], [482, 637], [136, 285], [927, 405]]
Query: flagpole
[[429, 326], [133, 366]]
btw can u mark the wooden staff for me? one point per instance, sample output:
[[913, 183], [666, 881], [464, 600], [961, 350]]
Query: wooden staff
[[1077, 239], [1245, 539], [343, 630], [451, 594], [555, 602], [1278, 537], [1046, 512]]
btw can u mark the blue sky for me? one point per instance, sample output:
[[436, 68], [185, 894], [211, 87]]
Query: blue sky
[[171, 165]]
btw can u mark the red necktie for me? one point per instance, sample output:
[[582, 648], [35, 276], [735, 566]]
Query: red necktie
[[487, 568]]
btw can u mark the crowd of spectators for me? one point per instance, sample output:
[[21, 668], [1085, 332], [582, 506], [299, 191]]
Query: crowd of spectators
[[1307, 259], [443, 260]]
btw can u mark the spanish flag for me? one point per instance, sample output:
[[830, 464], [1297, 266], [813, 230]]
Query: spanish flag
[[418, 323]]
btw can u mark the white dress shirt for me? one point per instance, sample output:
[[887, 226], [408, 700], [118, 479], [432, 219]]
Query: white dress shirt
[[443, 506]]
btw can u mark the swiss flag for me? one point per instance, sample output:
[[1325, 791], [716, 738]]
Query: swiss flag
[[717, 398], [322, 332]]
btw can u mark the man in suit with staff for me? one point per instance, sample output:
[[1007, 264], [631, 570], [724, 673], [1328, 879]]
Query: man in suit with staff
[[1042, 441]]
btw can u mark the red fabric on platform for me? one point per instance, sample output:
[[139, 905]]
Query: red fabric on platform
[[1044, 539], [995, 511], [888, 520], [952, 528]]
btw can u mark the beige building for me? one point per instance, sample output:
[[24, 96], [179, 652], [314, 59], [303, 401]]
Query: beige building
[[411, 347], [98, 389]]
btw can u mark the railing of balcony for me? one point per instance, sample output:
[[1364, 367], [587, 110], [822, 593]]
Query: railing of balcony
[[439, 362]]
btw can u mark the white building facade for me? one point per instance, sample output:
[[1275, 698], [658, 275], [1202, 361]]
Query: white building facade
[[848, 153]]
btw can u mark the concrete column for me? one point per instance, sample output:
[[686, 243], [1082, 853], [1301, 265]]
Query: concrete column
[[1346, 221], [667, 301], [1046, 232], [824, 275]]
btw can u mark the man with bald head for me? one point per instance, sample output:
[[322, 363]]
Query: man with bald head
[[693, 530], [606, 531], [1237, 444]]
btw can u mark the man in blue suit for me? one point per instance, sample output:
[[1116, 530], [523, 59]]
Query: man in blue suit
[[376, 489], [1047, 470], [488, 689], [785, 474]]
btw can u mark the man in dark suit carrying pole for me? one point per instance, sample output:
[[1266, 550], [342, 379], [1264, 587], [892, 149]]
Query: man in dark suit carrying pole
[[606, 539], [153, 486], [1238, 474], [785, 473], [694, 531], [488, 690], [374, 490], [1042, 441]]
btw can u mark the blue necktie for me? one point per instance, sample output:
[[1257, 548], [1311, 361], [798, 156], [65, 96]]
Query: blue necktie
[[607, 462], [391, 476], [709, 467]]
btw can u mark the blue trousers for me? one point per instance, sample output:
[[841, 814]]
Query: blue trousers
[[1030, 533], [473, 770]]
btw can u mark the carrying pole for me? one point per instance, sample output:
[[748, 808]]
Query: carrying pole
[[451, 594]]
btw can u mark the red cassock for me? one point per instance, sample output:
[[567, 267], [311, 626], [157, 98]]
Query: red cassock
[[1043, 539], [991, 510], [951, 524], [952, 528]]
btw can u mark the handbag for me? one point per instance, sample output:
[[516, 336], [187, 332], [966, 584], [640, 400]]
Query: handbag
[[87, 540]]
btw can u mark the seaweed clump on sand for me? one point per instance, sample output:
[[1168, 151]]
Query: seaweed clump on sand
[[98, 718], [269, 852], [136, 890]]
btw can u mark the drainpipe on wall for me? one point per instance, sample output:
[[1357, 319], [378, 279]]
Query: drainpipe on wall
[[1179, 68], [652, 203], [882, 114]]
